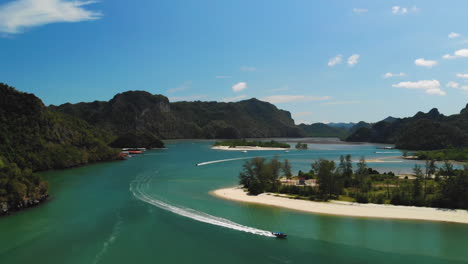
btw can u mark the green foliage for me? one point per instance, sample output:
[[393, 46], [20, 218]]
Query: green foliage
[[260, 176], [139, 111], [323, 130], [300, 145], [33, 138], [330, 185], [244, 143], [457, 154], [424, 131]]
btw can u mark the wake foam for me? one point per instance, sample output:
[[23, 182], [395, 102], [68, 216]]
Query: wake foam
[[138, 188]]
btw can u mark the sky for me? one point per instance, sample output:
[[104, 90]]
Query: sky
[[324, 61]]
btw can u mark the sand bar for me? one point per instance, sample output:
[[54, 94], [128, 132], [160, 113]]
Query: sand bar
[[347, 208], [245, 148]]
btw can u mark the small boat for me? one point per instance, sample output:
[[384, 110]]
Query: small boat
[[244, 151], [279, 234]]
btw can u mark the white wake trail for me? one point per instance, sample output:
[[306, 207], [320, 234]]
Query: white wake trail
[[137, 187], [243, 158]]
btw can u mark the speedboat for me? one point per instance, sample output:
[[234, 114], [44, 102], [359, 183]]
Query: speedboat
[[244, 151], [279, 234]]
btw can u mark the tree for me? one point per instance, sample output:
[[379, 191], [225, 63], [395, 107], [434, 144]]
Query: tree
[[361, 171], [417, 183], [287, 169], [430, 170], [327, 182]]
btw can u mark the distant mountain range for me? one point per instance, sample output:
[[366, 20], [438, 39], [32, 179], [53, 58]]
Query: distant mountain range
[[423, 131]]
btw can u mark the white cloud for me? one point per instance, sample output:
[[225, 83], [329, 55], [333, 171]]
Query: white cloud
[[425, 63], [449, 57], [390, 75], [360, 10], [15, 16], [429, 86], [452, 84], [353, 59], [234, 99], [239, 86], [338, 59], [248, 69], [185, 86], [187, 98], [398, 10], [223, 77], [462, 75], [341, 103], [453, 35], [277, 99], [464, 88], [461, 53]]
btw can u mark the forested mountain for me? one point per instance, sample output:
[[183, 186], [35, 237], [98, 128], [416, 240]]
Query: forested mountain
[[324, 130], [33, 138], [142, 112], [423, 131]]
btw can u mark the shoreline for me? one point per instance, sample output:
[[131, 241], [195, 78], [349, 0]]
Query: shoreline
[[341, 208], [245, 148]]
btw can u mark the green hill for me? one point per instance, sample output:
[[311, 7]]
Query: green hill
[[142, 112], [33, 138], [423, 131]]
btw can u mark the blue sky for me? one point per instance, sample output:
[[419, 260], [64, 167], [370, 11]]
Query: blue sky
[[329, 61]]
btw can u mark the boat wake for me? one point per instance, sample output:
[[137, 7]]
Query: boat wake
[[243, 158], [139, 186]]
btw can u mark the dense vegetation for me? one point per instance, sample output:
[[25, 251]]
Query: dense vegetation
[[457, 154], [138, 111], [424, 131], [33, 138], [323, 130], [443, 187], [300, 145], [245, 143]]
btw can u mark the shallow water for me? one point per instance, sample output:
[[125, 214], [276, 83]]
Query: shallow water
[[156, 208]]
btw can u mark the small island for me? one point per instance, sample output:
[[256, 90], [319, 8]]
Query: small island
[[338, 189], [244, 145]]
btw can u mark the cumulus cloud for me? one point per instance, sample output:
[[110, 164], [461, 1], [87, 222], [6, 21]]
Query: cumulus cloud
[[449, 57], [390, 75], [16, 16], [338, 59], [240, 86], [425, 63], [277, 99], [360, 10], [248, 68], [462, 75], [452, 84], [353, 59], [399, 10], [462, 53], [429, 86], [454, 35], [234, 99]]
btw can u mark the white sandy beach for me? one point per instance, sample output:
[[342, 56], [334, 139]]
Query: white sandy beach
[[347, 208], [245, 148]]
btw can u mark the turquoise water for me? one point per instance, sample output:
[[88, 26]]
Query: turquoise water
[[156, 208]]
